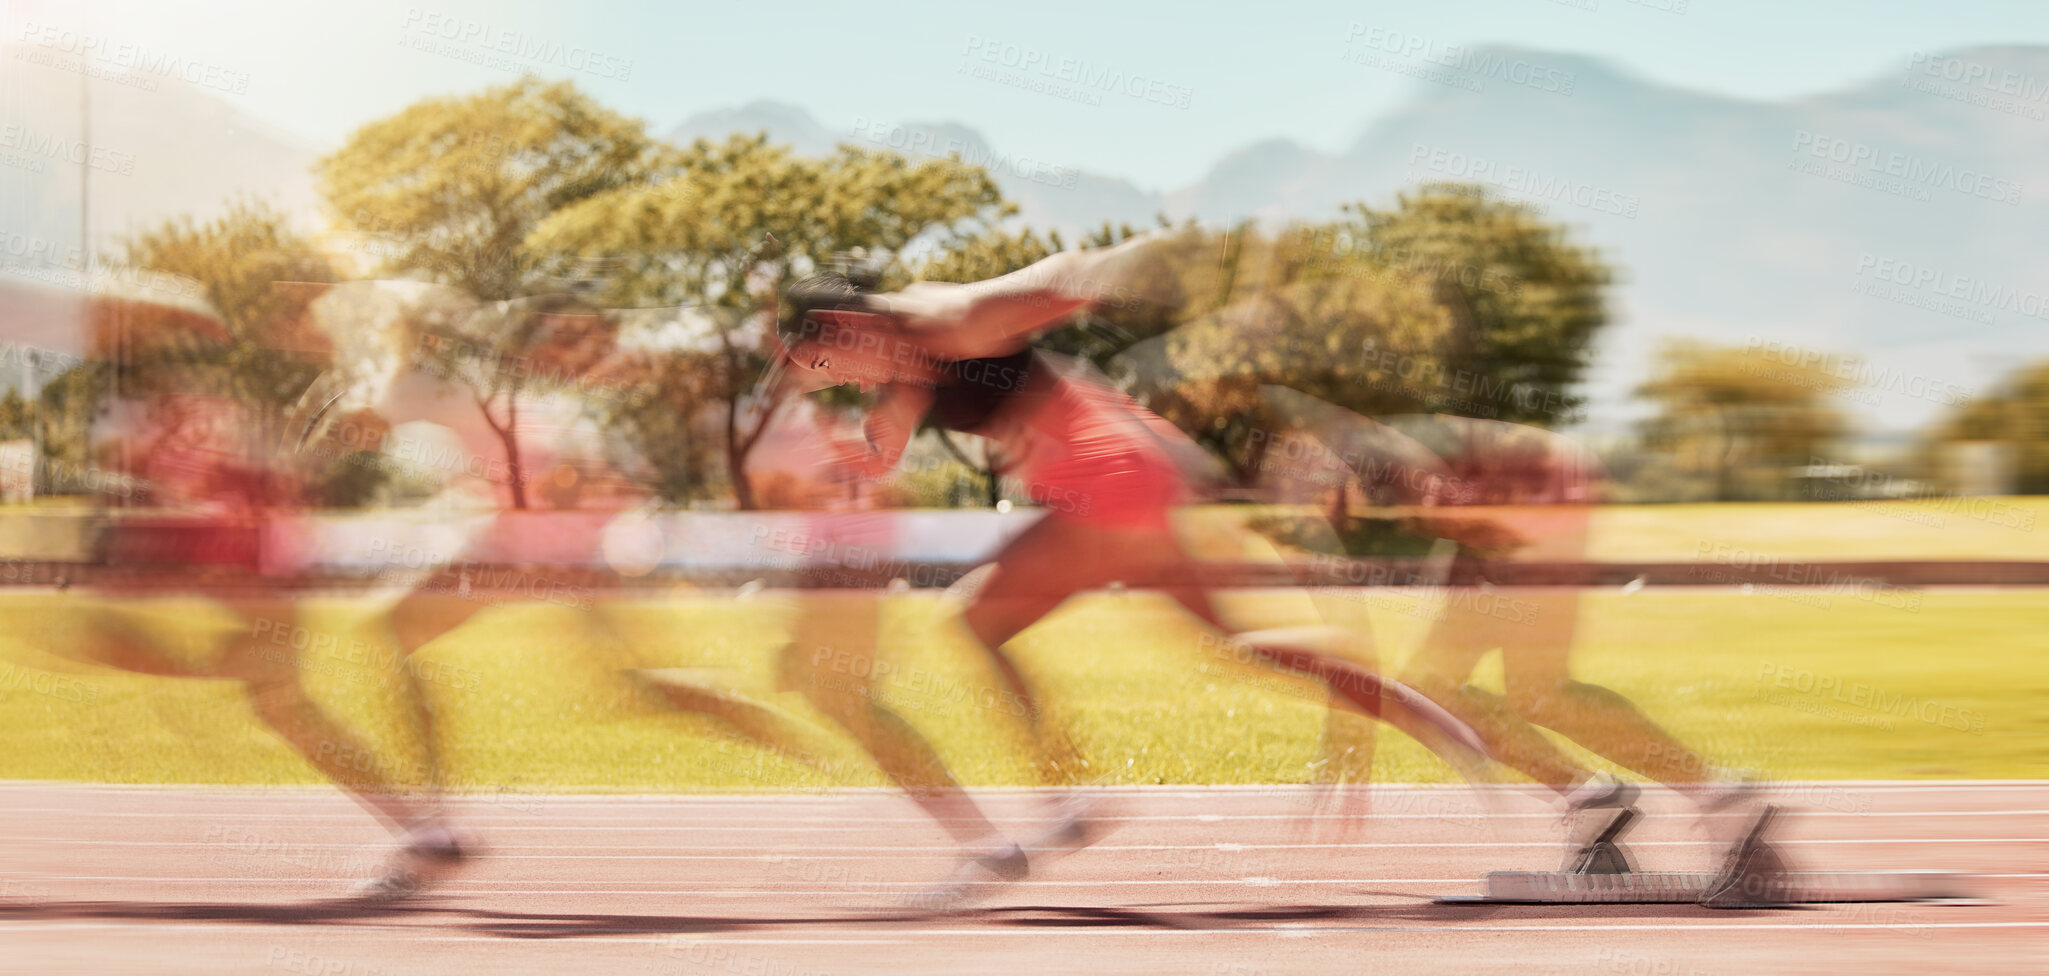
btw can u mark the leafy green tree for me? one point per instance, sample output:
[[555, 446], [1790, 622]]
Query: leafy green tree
[[1527, 301], [1248, 311], [452, 189], [1727, 410], [741, 219], [2015, 414], [245, 260], [66, 409], [17, 416]]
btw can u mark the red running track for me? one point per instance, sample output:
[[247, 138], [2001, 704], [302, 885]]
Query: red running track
[[1225, 881]]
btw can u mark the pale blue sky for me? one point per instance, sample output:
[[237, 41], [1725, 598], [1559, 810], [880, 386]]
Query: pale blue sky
[[1251, 70]]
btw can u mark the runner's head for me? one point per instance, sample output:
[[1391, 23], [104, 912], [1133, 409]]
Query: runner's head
[[833, 331]]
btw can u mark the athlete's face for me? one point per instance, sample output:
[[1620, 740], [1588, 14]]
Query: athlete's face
[[856, 354]]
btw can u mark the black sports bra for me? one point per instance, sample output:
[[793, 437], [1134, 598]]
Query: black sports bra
[[970, 391]]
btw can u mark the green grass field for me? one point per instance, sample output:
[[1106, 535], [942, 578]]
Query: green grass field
[[1776, 682]]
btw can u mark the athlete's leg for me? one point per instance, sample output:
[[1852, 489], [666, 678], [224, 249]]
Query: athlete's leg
[[1442, 669], [831, 660], [1542, 691], [271, 676]]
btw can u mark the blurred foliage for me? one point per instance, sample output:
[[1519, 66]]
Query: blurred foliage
[[736, 222], [245, 260], [1265, 311], [2016, 416], [66, 409], [1527, 301], [661, 413], [453, 187], [17, 416], [1734, 423]]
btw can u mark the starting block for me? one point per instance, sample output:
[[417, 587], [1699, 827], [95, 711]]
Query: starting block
[[1754, 875]]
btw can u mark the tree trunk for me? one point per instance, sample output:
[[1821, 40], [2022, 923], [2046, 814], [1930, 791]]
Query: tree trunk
[[736, 456], [508, 434], [511, 438]]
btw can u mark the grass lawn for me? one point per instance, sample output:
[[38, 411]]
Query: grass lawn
[[1785, 683]]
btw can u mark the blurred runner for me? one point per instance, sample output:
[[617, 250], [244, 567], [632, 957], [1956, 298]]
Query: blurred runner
[[1504, 490], [958, 357], [208, 504]]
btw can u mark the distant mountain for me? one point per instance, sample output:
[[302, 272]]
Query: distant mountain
[[786, 125], [158, 147], [1904, 220], [1048, 195], [1786, 224]]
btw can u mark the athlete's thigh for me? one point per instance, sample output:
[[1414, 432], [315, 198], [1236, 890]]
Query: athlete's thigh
[[1536, 627], [1457, 639]]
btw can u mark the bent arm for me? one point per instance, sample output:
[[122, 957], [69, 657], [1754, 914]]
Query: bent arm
[[891, 421]]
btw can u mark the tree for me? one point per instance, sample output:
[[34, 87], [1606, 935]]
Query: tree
[[2015, 414], [1260, 312], [700, 239], [1725, 409], [241, 259], [16, 418], [1527, 301], [658, 408], [454, 189], [504, 351]]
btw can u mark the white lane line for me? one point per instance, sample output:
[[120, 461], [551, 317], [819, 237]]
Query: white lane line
[[666, 851], [852, 884], [891, 935], [319, 793], [854, 822]]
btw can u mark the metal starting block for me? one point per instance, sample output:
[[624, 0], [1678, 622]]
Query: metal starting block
[[1753, 875]]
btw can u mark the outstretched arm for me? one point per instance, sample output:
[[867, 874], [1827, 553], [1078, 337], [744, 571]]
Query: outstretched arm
[[1000, 315]]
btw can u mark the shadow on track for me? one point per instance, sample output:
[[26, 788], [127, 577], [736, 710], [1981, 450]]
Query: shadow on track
[[571, 925]]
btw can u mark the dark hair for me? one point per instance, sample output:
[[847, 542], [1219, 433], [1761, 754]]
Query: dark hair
[[826, 291]]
